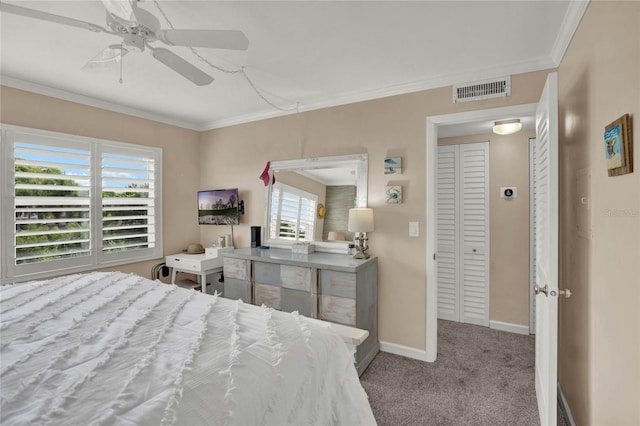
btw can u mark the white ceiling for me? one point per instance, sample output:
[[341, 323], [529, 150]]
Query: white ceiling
[[302, 55]]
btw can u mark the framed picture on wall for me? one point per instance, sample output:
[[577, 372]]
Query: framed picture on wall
[[619, 146]]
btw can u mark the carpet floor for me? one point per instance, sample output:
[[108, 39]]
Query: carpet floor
[[481, 377]]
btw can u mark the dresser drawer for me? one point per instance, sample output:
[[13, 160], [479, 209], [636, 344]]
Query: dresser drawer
[[299, 278], [184, 264], [304, 302], [236, 268], [337, 309], [268, 295], [335, 283], [267, 273], [237, 289]]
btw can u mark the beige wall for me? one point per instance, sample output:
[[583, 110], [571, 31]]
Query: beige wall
[[599, 335], [393, 126], [179, 153], [509, 225]]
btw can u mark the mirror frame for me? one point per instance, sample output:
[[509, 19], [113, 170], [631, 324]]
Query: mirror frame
[[361, 164]]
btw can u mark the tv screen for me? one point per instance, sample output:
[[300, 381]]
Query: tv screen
[[218, 207]]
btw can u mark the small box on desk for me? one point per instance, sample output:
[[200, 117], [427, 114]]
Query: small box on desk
[[302, 248], [210, 252]]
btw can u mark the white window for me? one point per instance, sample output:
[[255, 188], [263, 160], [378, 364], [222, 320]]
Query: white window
[[72, 203], [292, 214]]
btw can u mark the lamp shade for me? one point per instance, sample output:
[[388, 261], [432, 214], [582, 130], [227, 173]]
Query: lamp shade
[[507, 127], [360, 220]]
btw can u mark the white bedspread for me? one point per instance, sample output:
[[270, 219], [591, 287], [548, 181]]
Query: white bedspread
[[114, 348]]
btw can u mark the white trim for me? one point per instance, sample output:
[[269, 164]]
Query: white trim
[[406, 351], [564, 406], [532, 241], [511, 328], [431, 293], [570, 23], [367, 95]]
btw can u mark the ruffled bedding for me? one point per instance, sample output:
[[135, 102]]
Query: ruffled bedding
[[112, 348]]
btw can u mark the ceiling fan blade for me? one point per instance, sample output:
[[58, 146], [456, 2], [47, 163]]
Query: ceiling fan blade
[[121, 9], [217, 39], [37, 14], [181, 66], [106, 59]]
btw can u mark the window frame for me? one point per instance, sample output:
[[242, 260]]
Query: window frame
[[10, 272]]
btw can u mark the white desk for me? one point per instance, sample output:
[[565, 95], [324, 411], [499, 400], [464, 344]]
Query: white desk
[[198, 264]]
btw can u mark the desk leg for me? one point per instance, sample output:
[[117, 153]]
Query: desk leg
[[203, 282], [173, 275]]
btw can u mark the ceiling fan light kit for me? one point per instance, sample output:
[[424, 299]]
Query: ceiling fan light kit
[[138, 28]]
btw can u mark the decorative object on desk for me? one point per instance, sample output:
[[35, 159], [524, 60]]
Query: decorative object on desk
[[335, 236], [219, 207], [194, 248], [256, 240], [619, 146], [393, 165], [321, 211], [222, 242], [265, 175], [393, 194], [302, 248], [228, 241], [361, 221]]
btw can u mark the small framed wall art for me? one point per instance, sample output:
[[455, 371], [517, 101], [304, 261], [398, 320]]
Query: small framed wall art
[[393, 165], [393, 195], [619, 146]]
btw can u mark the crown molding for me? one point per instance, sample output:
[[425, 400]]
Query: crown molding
[[531, 65], [570, 23], [40, 89]]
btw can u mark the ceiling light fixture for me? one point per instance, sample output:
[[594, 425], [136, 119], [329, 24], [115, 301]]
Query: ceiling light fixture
[[507, 127]]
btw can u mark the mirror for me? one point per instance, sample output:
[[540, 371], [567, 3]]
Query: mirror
[[311, 198]]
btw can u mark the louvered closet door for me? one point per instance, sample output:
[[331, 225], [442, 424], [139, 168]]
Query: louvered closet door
[[463, 233], [448, 233], [474, 238]]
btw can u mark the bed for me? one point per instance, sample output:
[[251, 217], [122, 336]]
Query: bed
[[114, 348]]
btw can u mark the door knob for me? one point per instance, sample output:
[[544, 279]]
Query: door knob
[[537, 290]]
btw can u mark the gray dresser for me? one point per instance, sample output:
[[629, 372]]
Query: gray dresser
[[327, 286]]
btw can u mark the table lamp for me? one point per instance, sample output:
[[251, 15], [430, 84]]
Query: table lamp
[[361, 221]]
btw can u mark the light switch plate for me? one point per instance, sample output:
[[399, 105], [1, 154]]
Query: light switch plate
[[414, 229]]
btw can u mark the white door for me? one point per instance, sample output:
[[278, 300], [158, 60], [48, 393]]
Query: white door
[[546, 226], [463, 233]]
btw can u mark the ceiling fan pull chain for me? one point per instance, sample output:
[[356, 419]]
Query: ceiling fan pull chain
[[121, 60]]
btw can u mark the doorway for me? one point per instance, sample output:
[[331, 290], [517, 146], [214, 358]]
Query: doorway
[[433, 125]]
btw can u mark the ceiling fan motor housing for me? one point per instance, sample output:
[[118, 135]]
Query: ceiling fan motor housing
[[134, 41]]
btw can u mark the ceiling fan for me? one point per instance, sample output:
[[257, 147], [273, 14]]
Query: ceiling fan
[[138, 28]]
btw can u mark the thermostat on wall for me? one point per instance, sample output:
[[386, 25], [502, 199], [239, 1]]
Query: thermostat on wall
[[508, 192]]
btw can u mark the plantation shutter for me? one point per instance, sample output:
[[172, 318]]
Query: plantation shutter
[[71, 203], [129, 205], [51, 204], [293, 213]]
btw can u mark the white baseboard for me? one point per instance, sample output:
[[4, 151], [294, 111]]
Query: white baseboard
[[564, 406], [406, 351], [512, 328]]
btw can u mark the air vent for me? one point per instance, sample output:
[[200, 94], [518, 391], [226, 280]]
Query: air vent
[[485, 89]]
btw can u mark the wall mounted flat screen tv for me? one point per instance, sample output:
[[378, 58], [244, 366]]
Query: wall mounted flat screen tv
[[218, 207]]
